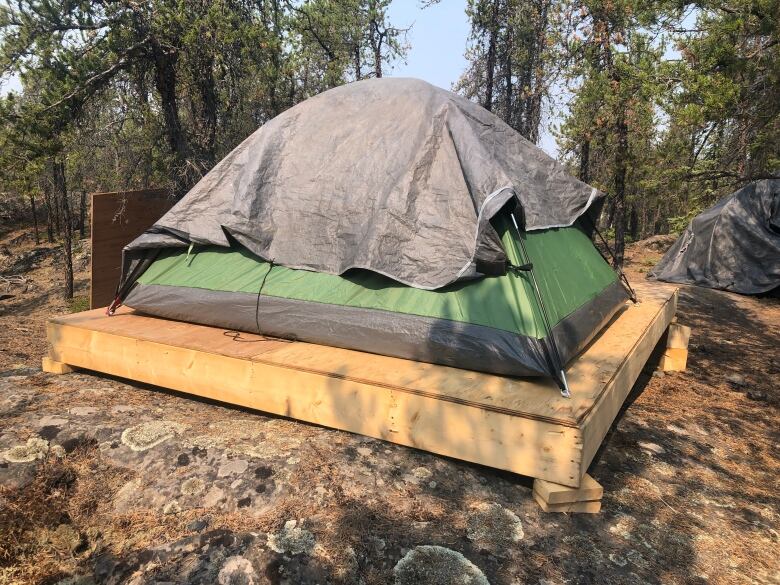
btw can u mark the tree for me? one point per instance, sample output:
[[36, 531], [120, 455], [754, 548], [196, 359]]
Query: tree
[[510, 67], [126, 94], [615, 65], [727, 108]]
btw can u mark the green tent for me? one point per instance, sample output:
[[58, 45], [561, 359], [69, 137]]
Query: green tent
[[466, 247]]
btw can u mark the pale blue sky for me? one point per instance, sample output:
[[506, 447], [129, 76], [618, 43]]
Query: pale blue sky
[[437, 45], [437, 40]]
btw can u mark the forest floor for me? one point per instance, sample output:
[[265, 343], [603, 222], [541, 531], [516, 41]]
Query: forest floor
[[104, 481]]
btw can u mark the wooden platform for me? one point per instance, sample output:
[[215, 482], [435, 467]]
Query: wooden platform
[[523, 426]]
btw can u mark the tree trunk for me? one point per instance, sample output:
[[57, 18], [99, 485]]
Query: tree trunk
[[633, 223], [534, 109], [508, 88], [584, 173], [490, 64], [275, 107], [49, 212], [57, 212], [357, 62], [378, 58], [82, 214], [376, 37], [207, 122], [621, 156], [165, 83], [508, 67], [35, 218], [61, 193]]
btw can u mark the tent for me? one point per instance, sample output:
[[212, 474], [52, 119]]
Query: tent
[[734, 245], [392, 217]]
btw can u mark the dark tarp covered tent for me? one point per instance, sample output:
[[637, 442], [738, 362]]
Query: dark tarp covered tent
[[734, 245], [392, 217]]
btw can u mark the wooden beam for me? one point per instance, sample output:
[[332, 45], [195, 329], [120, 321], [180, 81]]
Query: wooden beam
[[673, 360], [50, 366], [678, 336], [675, 356], [554, 493], [504, 441], [637, 347], [574, 507]]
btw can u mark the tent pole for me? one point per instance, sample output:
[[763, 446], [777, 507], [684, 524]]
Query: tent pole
[[564, 385], [621, 275]]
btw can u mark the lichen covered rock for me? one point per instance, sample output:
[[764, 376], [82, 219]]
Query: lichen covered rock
[[150, 434], [292, 539], [237, 571], [437, 565], [494, 528], [192, 486], [34, 448]]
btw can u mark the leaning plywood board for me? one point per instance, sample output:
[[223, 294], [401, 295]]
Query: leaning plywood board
[[117, 219], [521, 425]]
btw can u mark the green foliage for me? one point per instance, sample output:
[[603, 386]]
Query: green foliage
[[78, 304], [137, 94], [672, 104], [697, 84], [122, 95]]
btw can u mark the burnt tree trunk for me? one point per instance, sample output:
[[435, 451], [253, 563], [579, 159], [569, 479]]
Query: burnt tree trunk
[[621, 166], [376, 38], [509, 86], [34, 210], [61, 195], [584, 174], [165, 60], [47, 196], [633, 223], [202, 143], [490, 64], [273, 97], [377, 49], [57, 212], [357, 62], [534, 106], [82, 214]]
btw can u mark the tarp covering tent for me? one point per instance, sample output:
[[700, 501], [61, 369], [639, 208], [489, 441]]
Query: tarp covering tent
[[734, 245], [388, 216]]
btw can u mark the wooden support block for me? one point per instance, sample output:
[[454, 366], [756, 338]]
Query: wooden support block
[[53, 367], [554, 493], [673, 360], [593, 507], [678, 336]]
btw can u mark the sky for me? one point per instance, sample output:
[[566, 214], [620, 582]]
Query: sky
[[437, 40]]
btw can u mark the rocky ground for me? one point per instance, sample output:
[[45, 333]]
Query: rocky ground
[[103, 481]]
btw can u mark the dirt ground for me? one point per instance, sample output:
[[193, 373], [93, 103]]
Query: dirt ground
[[103, 481]]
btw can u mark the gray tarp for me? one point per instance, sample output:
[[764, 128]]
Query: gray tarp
[[734, 245], [391, 175]]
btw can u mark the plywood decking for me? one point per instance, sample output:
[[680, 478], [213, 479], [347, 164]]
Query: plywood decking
[[523, 426]]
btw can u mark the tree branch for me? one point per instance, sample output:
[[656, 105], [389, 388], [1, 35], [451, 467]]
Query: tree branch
[[99, 77]]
